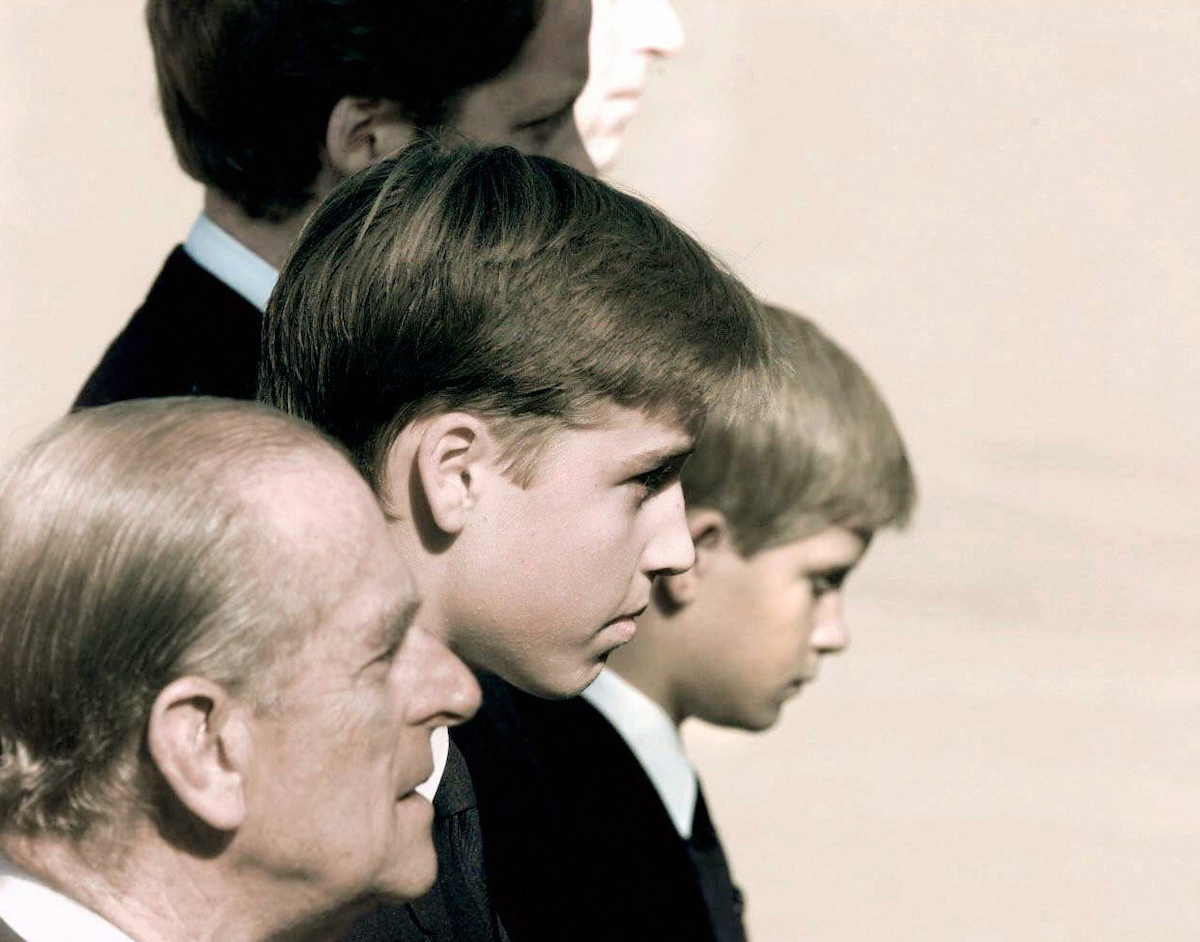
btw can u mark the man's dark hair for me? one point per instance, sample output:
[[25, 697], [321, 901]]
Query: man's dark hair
[[247, 86], [503, 284]]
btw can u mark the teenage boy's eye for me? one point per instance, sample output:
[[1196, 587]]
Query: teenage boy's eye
[[660, 478]]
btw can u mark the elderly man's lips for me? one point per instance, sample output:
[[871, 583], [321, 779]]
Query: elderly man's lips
[[412, 789]]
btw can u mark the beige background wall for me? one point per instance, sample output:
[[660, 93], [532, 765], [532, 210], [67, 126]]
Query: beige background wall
[[995, 204]]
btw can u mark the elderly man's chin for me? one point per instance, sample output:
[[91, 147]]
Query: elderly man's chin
[[413, 867]]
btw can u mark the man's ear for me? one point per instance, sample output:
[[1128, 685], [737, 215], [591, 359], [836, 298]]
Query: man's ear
[[456, 452], [711, 535], [198, 740], [362, 130]]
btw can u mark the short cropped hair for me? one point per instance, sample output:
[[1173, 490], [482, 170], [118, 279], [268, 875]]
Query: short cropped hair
[[507, 285], [820, 449], [247, 86], [128, 557]]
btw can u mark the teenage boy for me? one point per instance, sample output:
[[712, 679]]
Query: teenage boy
[[270, 104], [783, 499], [518, 358]]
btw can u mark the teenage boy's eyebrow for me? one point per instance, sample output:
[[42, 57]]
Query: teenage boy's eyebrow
[[659, 457]]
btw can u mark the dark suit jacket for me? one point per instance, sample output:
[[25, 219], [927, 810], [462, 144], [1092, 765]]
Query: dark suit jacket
[[193, 336], [459, 907], [578, 844], [7, 934]]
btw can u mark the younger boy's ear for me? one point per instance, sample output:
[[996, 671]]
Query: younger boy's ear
[[362, 130], [710, 533], [452, 454], [198, 740]]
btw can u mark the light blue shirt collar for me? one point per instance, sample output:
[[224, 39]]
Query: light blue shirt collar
[[227, 260]]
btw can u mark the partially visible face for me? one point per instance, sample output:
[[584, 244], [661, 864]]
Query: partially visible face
[[340, 748], [627, 37], [529, 105], [552, 575], [760, 626]]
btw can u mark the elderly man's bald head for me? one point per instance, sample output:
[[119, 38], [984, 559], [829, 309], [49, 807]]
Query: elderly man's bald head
[[134, 541]]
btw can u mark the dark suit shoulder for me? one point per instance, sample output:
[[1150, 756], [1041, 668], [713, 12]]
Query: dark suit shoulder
[[586, 851], [193, 336]]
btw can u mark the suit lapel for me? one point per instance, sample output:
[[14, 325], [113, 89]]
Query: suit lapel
[[7, 934]]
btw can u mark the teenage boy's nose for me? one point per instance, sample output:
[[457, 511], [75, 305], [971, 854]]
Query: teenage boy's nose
[[829, 634], [670, 549]]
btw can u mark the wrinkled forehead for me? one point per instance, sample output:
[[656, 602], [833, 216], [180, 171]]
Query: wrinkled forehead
[[334, 562], [321, 520]]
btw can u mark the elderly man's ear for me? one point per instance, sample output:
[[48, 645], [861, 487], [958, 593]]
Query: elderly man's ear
[[198, 738], [713, 540], [361, 131]]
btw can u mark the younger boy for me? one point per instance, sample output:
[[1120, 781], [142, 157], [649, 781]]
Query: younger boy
[[518, 357], [783, 499]]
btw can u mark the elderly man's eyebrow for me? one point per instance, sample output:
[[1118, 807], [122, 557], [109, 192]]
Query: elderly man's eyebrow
[[396, 624]]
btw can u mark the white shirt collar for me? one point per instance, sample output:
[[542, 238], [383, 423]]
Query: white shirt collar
[[226, 259], [40, 914], [654, 739], [439, 742]]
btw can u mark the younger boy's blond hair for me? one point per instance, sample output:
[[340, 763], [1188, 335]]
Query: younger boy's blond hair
[[819, 449]]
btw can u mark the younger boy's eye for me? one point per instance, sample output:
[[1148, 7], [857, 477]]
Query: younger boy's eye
[[824, 583]]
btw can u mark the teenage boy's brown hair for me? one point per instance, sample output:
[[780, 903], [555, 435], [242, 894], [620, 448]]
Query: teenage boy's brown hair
[[819, 449], [512, 286]]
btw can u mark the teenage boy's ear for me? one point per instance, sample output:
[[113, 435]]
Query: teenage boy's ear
[[362, 130], [198, 739], [712, 536], [456, 455]]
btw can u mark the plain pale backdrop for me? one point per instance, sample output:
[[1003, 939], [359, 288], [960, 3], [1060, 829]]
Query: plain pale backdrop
[[995, 204]]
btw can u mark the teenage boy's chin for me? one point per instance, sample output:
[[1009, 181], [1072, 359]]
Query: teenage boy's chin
[[568, 680]]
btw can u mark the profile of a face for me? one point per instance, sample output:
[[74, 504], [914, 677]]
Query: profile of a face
[[552, 574], [761, 627], [332, 803], [627, 37]]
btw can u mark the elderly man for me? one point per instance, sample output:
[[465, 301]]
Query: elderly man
[[215, 693]]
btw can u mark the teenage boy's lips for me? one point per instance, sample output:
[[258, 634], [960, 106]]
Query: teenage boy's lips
[[624, 627]]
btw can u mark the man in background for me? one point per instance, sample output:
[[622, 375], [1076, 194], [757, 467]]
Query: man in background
[[270, 105]]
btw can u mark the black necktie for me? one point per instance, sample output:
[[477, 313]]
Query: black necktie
[[724, 899]]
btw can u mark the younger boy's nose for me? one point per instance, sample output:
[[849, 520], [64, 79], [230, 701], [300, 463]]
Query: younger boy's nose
[[670, 549], [829, 634]]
